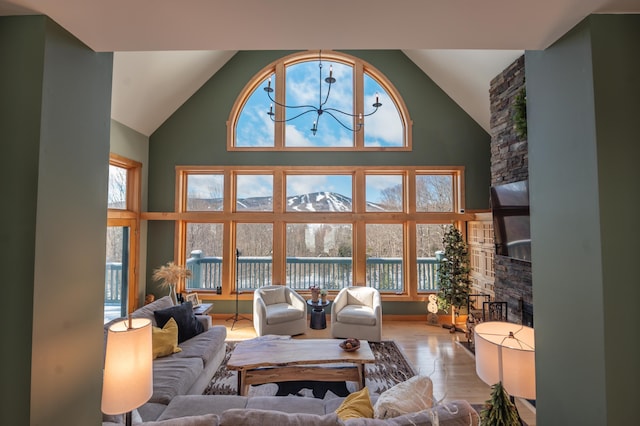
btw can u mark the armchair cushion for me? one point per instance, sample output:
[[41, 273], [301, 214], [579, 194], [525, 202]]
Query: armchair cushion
[[362, 298], [283, 312], [273, 295], [357, 314]]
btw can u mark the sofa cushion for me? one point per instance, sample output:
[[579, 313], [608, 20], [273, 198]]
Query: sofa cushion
[[188, 325], [147, 310], [357, 314], [271, 296], [356, 405], [244, 417], [410, 396], [454, 413], [165, 339], [205, 345], [290, 405], [174, 376], [283, 312], [197, 405], [205, 420]]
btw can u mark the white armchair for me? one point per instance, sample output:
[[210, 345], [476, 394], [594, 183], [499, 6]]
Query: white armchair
[[357, 312], [279, 310]]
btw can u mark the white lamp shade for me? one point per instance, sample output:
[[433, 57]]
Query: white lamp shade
[[128, 367], [510, 360]]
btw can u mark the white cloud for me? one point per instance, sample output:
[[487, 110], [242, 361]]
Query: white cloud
[[205, 186], [254, 185], [384, 127], [378, 183]]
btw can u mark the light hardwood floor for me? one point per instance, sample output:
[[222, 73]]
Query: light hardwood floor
[[431, 350]]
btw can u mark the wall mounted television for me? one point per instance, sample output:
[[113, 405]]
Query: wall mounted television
[[510, 210]]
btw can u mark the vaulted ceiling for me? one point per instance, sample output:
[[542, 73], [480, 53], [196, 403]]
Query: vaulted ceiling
[[165, 50]]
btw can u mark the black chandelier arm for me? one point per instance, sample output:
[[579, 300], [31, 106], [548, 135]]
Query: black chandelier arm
[[293, 118], [351, 115], [371, 113], [342, 124], [311, 107]]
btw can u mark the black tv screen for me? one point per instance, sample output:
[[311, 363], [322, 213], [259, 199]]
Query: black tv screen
[[510, 209]]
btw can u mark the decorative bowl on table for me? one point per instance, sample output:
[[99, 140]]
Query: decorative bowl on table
[[349, 345]]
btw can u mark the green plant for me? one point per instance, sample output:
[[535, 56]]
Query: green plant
[[520, 113], [453, 273]]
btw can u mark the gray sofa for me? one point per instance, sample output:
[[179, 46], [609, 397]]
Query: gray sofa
[[225, 410], [188, 372]]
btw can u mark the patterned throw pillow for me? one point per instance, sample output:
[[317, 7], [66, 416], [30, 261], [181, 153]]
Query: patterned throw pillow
[[411, 396]]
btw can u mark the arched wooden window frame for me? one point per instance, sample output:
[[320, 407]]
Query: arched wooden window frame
[[360, 68]]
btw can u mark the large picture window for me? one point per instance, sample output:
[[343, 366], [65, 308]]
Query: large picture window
[[329, 227], [291, 105]]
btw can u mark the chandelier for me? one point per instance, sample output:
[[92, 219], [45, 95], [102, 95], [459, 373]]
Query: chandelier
[[320, 110]]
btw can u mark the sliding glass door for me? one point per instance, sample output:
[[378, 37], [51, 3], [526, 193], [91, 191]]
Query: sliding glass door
[[116, 282]]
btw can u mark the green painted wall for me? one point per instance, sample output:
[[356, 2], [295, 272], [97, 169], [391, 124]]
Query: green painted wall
[[22, 59], [55, 109], [583, 150], [443, 134]]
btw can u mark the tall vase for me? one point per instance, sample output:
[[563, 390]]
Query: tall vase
[[172, 293]]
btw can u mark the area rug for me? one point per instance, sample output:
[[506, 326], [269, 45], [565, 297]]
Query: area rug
[[390, 368]]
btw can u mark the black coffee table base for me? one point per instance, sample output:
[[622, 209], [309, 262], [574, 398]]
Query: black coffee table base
[[319, 388]]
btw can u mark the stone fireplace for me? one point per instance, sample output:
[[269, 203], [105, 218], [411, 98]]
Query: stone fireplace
[[509, 163]]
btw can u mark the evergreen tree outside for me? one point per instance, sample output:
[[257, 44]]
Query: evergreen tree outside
[[453, 273]]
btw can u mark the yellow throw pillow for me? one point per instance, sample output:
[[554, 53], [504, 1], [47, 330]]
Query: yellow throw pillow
[[356, 405], [165, 339]]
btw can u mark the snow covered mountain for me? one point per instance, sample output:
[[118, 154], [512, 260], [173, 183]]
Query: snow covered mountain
[[312, 202]]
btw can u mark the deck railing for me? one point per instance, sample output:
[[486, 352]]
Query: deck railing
[[113, 283], [331, 273]]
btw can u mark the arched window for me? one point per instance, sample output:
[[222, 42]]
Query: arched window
[[319, 100]]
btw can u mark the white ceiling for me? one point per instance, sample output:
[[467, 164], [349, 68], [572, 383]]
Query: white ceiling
[[165, 49]]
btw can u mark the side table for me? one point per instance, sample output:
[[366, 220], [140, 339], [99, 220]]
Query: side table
[[203, 308], [318, 317]]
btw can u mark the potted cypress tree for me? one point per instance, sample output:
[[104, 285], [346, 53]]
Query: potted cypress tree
[[453, 274]]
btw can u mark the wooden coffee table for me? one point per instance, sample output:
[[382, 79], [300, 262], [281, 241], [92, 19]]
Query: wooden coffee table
[[261, 360]]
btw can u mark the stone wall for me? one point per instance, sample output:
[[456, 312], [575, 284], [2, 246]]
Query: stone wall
[[509, 163], [509, 154]]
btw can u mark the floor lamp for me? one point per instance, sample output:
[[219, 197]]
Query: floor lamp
[[237, 317], [505, 354], [128, 367]]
